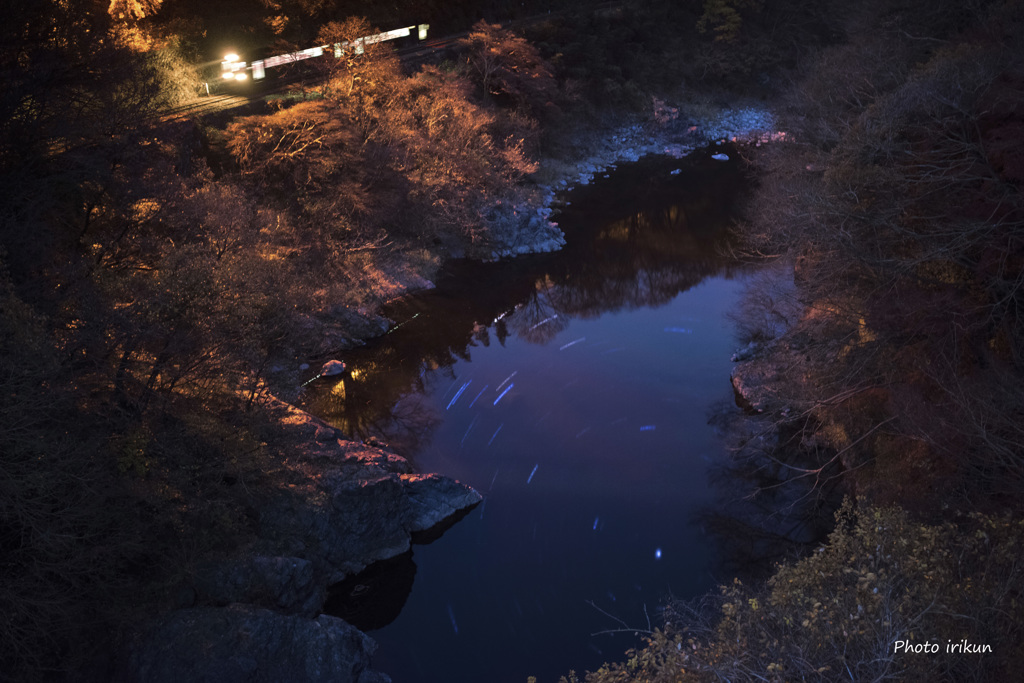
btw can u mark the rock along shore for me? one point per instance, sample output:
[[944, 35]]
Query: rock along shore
[[528, 228], [254, 615]]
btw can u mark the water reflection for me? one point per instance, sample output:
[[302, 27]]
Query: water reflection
[[626, 249], [374, 597], [572, 390]]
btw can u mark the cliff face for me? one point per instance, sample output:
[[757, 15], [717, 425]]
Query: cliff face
[[337, 506]]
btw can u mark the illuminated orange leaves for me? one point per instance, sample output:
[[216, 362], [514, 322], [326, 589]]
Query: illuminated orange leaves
[[133, 10], [508, 67], [360, 68]]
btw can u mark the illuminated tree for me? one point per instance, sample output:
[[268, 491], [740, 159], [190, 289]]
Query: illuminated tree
[[362, 68], [508, 67], [133, 10], [307, 155], [724, 18], [445, 145]]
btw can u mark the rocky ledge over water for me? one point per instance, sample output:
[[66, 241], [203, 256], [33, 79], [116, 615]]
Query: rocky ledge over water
[[766, 376], [251, 614]]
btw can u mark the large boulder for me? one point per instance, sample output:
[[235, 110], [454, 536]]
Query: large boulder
[[351, 523], [432, 499], [338, 507], [332, 368], [243, 643], [285, 583]]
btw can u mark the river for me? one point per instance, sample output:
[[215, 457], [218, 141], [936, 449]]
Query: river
[[573, 390]]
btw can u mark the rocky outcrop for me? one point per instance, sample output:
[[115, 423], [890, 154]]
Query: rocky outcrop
[[765, 378], [243, 643], [336, 507], [524, 228], [433, 499], [288, 584]]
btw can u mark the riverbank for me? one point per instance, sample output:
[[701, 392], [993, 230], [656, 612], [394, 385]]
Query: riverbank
[[531, 226], [674, 131], [333, 506], [887, 370]]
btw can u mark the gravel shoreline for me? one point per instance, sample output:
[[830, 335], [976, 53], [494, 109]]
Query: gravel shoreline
[[529, 228]]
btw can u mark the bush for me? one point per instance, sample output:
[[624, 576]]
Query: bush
[[881, 582]]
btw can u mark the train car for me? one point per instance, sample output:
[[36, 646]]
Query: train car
[[235, 72]]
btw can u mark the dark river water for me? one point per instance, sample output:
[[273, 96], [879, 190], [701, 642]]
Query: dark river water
[[573, 390]]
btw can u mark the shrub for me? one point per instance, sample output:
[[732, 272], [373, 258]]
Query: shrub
[[881, 579]]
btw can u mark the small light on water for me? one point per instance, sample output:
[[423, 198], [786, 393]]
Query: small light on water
[[657, 553]]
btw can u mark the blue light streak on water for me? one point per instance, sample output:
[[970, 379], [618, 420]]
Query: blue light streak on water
[[572, 343], [494, 435], [545, 320], [479, 395], [471, 425], [451, 615], [532, 555], [459, 393], [506, 380], [503, 393]]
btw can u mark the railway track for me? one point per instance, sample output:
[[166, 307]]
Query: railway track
[[206, 105]]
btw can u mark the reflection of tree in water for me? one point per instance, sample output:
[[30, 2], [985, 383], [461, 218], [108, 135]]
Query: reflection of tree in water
[[767, 508], [632, 242], [646, 258], [374, 597], [538, 319], [404, 420]]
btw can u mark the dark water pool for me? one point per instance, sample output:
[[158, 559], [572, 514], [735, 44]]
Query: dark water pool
[[573, 390]]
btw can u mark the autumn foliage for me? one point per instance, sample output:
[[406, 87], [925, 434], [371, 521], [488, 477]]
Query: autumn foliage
[[153, 273], [381, 144], [839, 613]]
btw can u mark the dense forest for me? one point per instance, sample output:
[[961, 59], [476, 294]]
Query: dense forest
[[154, 269]]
